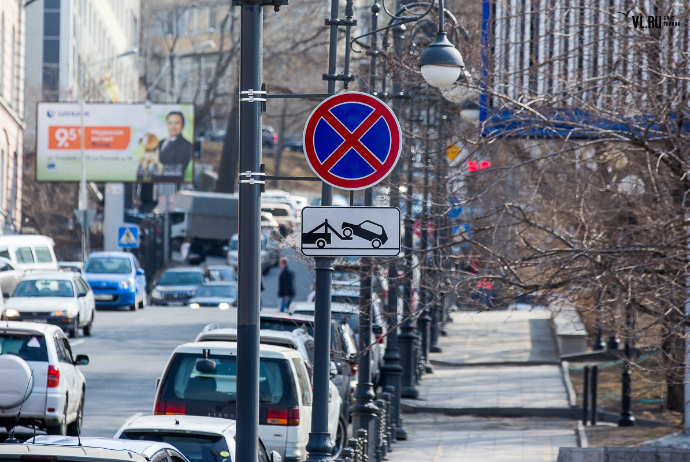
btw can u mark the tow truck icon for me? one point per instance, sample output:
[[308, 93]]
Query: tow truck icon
[[368, 230]]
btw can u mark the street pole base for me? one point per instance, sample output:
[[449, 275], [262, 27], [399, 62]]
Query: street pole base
[[443, 332], [409, 391], [626, 421], [428, 369], [435, 349], [400, 434], [320, 447]]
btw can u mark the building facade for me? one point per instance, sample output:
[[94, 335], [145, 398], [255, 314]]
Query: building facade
[[12, 33], [63, 35]]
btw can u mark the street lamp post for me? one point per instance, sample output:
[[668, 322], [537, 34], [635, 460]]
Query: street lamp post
[[83, 196], [425, 318]]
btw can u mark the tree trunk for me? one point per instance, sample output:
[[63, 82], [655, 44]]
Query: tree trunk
[[230, 157], [281, 142]]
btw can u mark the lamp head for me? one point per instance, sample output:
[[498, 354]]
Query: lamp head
[[441, 62], [131, 51]]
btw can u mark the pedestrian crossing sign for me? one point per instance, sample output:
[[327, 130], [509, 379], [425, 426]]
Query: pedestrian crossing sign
[[128, 237]]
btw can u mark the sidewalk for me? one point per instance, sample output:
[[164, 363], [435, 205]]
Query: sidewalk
[[497, 393]]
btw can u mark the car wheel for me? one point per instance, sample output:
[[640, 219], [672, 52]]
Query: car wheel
[[133, 307], [143, 302], [75, 428], [61, 428], [376, 243], [87, 328], [321, 243], [340, 438], [347, 232], [74, 330]]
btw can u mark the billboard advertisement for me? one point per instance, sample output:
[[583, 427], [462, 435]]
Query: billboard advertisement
[[122, 142]]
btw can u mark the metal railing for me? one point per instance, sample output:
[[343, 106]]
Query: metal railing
[[357, 448]]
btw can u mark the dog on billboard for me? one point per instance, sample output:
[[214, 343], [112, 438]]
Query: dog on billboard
[[150, 159]]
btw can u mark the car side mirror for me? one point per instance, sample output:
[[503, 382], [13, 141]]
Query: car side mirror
[[378, 330], [82, 360], [81, 294], [141, 272], [353, 359], [6, 294], [275, 457], [334, 369]]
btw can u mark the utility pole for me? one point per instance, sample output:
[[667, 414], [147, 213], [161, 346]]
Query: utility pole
[[249, 279], [391, 371]]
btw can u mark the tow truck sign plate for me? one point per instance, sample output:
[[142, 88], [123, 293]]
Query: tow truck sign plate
[[350, 231]]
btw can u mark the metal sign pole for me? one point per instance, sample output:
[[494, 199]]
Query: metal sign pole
[[320, 446], [249, 279]]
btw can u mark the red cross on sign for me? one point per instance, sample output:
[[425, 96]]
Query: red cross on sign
[[352, 140]]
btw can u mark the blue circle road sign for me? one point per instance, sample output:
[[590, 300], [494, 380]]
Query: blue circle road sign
[[352, 140]]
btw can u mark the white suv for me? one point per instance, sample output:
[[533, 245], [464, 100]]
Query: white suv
[[38, 375], [284, 391]]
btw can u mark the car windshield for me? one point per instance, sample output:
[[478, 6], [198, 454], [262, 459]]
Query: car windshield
[[196, 447], [221, 291], [185, 382], [108, 265], [349, 299], [286, 325], [179, 278], [29, 347], [223, 274], [44, 288], [234, 244]]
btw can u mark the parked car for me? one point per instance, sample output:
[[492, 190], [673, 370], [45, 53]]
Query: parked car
[[98, 450], [284, 215], [222, 272], [349, 314], [340, 355], [215, 294], [198, 438], [29, 252], [10, 276], [61, 299], [40, 355], [294, 145], [117, 279], [301, 341], [269, 138], [269, 224], [200, 379], [177, 285]]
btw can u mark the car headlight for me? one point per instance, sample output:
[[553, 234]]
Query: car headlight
[[194, 306], [58, 313], [155, 294], [224, 306], [126, 284], [11, 313]]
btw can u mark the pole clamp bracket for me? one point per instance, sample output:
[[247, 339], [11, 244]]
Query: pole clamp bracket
[[252, 95], [250, 177]]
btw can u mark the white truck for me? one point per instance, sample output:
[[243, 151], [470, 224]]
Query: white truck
[[210, 217]]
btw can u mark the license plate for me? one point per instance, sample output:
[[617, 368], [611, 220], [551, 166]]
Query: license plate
[[175, 303], [39, 320], [102, 297]]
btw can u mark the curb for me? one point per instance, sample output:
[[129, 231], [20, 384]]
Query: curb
[[436, 362], [572, 396], [568, 413], [581, 435]]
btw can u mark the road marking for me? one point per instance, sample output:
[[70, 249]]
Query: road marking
[[439, 452], [77, 342]]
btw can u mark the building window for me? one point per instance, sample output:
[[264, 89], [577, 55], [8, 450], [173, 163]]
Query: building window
[[2, 53]]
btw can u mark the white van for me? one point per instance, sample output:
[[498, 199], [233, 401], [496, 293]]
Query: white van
[[29, 252]]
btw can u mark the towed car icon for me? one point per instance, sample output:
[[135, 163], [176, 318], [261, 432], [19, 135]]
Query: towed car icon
[[368, 230]]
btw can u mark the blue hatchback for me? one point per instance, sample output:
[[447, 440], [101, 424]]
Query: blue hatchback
[[116, 278]]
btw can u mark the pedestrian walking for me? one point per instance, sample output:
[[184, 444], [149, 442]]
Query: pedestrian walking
[[197, 254], [184, 249], [286, 285]]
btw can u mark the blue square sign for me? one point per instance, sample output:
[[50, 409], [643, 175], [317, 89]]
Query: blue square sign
[[128, 237]]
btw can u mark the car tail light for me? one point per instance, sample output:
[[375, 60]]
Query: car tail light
[[275, 138], [283, 416], [353, 369], [379, 338], [169, 408], [53, 377]]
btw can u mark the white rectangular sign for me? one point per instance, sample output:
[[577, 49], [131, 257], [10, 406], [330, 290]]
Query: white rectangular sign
[[350, 231]]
